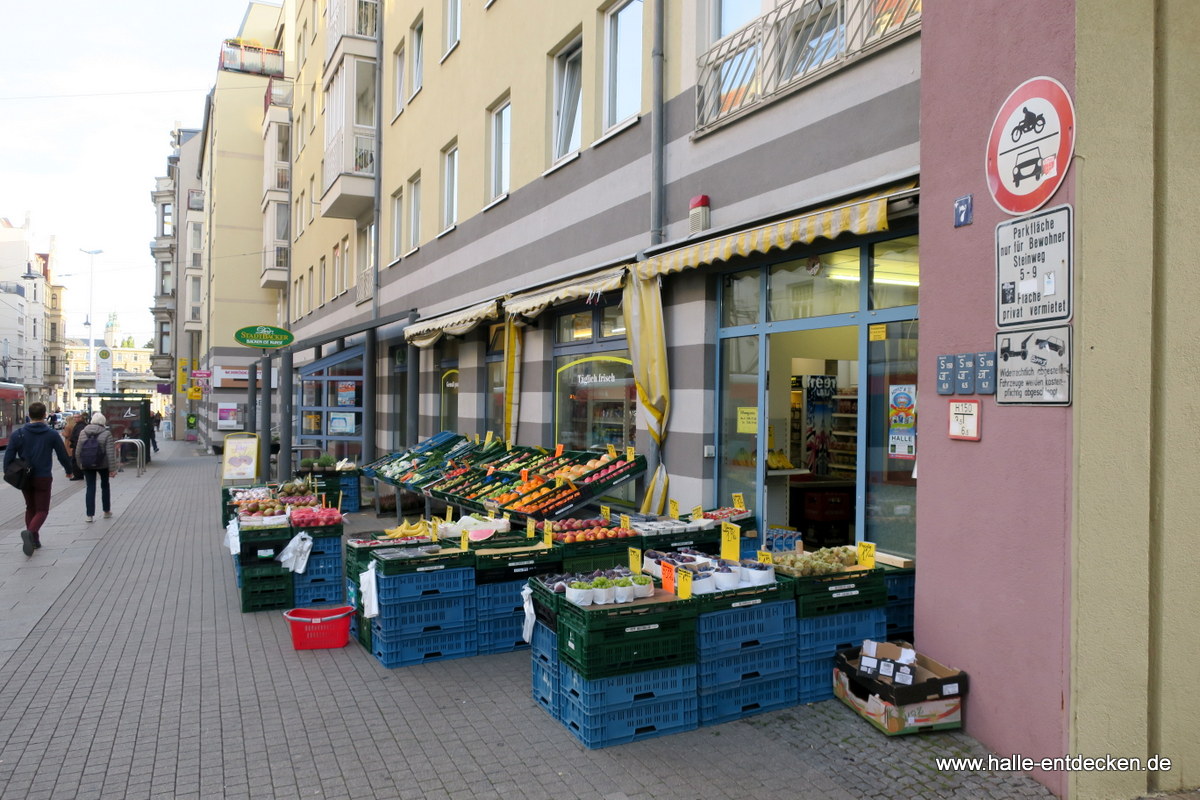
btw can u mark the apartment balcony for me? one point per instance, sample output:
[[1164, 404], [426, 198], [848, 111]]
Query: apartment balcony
[[279, 94], [795, 44], [349, 175], [251, 58], [163, 366], [163, 304], [351, 27], [276, 271]]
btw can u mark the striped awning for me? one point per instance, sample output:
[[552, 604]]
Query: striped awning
[[862, 215], [426, 332], [532, 303]]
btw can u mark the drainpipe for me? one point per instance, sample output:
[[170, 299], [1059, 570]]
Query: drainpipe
[[285, 414], [657, 127], [264, 442], [370, 368], [412, 388], [252, 398], [370, 362]]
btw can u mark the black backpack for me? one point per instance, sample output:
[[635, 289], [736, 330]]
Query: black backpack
[[91, 454]]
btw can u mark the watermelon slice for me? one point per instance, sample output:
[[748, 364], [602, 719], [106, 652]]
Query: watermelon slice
[[481, 534]]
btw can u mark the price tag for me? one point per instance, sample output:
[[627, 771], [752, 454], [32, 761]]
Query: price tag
[[488, 439], [683, 584], [548, 534], [731, 541], [765, 557], [668, 577], [491, 512], [612, 451], [866, 554], [477, 438], [437, 524], [525, 475], [490, 471], [673, 509], [697, 513], [558, 449], [559, 482], [635, 560], [630, 454], [530, 528], [465, 543], [508, 446], [449, 513], [606, 513], [739, 501], [507, 515], [625, 523]]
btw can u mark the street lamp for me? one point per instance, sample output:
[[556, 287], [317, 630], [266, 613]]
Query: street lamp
[[91, 313]]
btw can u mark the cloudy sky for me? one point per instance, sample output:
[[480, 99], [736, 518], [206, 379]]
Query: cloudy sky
[[89, 94]]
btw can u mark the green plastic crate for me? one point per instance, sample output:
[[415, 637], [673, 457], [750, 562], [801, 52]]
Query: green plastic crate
[[859, 597], [636, 645], [621, 616], [390, 564], [591, 563], [743, 597]]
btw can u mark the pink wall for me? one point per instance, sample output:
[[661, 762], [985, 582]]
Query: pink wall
[[993, 524]]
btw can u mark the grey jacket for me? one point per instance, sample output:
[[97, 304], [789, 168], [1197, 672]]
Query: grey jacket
[[106, 442]]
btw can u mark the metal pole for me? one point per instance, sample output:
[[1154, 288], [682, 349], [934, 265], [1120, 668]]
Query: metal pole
[[264, 443], [252, 398], [657, 127], [286, 393], [412, 395], [370, 368]]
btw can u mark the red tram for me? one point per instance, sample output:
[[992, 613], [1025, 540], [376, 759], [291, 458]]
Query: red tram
[[12, 410]]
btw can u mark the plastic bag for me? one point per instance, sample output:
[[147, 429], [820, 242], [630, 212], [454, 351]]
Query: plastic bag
[[295, 556], [369, 592], [233, 538], [527, 599]]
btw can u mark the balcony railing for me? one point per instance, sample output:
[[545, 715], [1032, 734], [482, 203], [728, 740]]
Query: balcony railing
[[279, 93], [791, 45], [361, 161], [350, 18], [238, 55]]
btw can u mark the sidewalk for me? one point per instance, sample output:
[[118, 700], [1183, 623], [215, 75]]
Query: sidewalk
[[131, 673]]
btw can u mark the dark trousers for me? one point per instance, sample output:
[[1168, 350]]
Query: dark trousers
[[37, 502], [89, 497]]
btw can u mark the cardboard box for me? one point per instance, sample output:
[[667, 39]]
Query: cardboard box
[[892, 719], [925, 680]]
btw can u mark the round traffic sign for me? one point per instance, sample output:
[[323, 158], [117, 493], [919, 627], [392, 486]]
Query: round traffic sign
[[1029, 149]]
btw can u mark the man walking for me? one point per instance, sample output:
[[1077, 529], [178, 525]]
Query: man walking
[[37, 443]]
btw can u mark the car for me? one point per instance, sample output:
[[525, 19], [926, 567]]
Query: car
[[1051, 343], [1029, 165]]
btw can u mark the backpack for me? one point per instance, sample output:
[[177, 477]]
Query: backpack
[[91, 454]]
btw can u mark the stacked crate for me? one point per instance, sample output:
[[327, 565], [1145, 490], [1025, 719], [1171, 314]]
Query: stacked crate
[[264, 583], [544, 669], [835, 611], [626, 672], [426, 615], [746, 647], [351, 494], [500, 614], [323, 578], [901, 591]]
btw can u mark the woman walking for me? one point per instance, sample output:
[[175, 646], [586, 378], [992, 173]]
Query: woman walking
[[96, 454]]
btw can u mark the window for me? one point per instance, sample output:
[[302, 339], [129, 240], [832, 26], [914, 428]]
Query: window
[[568, 100], [166, 286], [623, 72], [300, 128], [54, 331], [365, 273], [364, 93], [54, 365], [449, 186], [312, 103], [300, 216], [345, 269], [166, 224], [302, 297], [732, 15], [397, 224], [501, 147], [414, 212], [197, 236], [323, 288], [282, 217], [164, 338], [398, 67], [303, 44], [453, 25], [417, 37], [337, 270], [312, 198], [311, 289]]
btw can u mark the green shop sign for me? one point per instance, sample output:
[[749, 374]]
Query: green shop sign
[[264, 336]]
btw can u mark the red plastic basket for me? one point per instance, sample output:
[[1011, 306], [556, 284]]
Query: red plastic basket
[[319, 628]]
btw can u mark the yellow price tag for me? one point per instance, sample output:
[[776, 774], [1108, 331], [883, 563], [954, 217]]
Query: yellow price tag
[[507, 515], [559, 482], [612, 451], [465, 543], [437, 523], [548, 534], [606, 513], [635, 560], [739, 501], [697, 513], [630, 454], [488, 439], [508, 446], [877, 333], [765, 557], [673, 509], [731, 541], [530, 528], [683, 584], [625, 523], [866, 554], [491, 512], [449, 513], [477, 438]]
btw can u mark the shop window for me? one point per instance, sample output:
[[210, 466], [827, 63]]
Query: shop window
[[494, 357], [399, 362], [575, 328], [330, 415], [596, 401], [448, 384], [815, 286], [895, 273], [740, 298]]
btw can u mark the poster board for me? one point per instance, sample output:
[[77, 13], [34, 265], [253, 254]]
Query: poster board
[[239, 461]]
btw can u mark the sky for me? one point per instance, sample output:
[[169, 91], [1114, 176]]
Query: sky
[[89, 95]]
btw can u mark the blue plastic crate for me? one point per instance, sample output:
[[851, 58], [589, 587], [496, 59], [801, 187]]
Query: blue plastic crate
[[427, 615], [824, 636], [500, 599], [545, 687], [722, 632], [899, 616], [625, 725], [405, 651], [815, 677], [545, 645], [501, 634], [751, 697], [767, 661], [622, 691], [415, 585], [329, 591], [237, 571], [901, 586], [319, 567], [326, 546]]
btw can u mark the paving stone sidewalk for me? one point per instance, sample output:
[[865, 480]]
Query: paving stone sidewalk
[[131, 673]]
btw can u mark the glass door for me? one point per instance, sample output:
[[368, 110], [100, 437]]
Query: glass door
[[890, 513], [738, 443]]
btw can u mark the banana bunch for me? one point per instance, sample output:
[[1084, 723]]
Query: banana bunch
[[777, 459], [407, 529]]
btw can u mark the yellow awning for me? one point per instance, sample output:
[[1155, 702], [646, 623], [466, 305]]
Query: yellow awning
[[456, 323], [530, 304], [862, 215]]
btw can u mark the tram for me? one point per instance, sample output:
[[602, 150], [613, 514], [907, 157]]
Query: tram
[[12, 410]]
